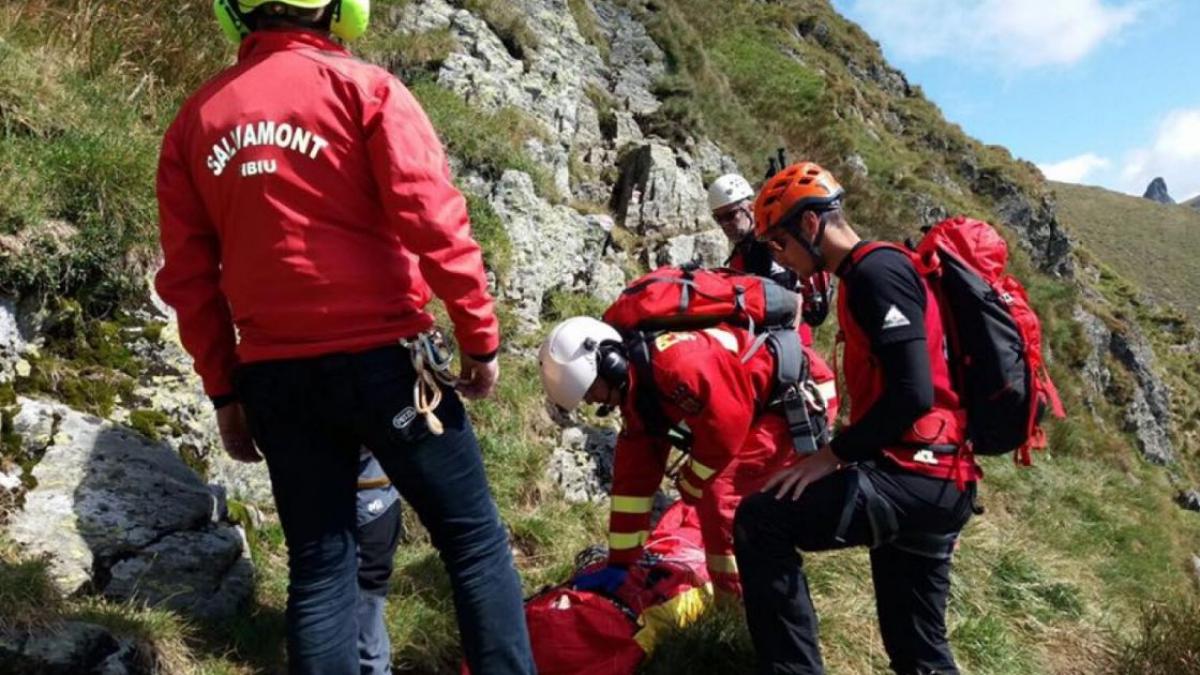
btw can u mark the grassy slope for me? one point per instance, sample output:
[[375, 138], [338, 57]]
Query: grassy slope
[[1155, 245], [1051, 580]]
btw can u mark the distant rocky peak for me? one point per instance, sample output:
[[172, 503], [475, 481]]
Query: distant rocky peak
[[1157, 191]]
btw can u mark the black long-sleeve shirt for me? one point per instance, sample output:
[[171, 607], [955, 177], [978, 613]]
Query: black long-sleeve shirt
[[887, 299]]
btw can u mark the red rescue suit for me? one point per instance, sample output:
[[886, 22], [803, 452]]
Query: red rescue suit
[[703, 384], [315, 217], [935, 444]]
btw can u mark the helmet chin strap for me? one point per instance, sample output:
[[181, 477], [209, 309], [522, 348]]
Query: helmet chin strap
[[813, 248]]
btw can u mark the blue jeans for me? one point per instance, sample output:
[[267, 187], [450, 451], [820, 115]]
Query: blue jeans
[[309, 417]]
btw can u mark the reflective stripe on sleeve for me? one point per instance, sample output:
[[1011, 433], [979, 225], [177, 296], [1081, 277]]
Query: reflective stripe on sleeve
[[622, 504]]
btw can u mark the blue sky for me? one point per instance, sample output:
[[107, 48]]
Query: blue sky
[[1101, 92]]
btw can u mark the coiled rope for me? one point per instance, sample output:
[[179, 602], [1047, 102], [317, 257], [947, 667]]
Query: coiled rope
[[431, 360]]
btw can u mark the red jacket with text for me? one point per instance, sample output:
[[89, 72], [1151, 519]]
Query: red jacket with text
[[703, 384], [305, 198]]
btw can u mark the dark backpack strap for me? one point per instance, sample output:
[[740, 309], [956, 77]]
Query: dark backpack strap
[[808, 431], [647, 399], [880, 514]]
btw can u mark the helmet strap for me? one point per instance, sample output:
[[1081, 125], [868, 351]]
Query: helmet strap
[[813, 248]]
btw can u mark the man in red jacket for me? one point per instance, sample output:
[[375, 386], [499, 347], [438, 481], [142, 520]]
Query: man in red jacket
[[701, 388], [307, 216], [910, 481]]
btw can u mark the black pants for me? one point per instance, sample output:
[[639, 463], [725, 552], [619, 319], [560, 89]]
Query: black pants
[[310, 417], [910, 588]]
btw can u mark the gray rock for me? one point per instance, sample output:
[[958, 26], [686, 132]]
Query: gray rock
[[658, 192], [104, 496], [857, 165], [12, 342], [636, 61], [709, 248], [205, 574], [176, 391], [582, 463], [1036, 221], [1147, 415], [10, 480], [627, 130], [72, 648], [711, 161], [553, 247], [549, 84], [1189, 499], [1156, 191]]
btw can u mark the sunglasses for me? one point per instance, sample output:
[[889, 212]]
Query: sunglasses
[[729, 216]]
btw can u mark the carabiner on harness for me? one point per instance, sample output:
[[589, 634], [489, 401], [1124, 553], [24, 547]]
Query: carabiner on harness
[[431, 358]]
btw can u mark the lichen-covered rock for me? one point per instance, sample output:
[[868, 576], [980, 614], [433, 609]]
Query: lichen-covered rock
[[12, 342], [709, 248], [549, 82], [660, 191], [553, 247], [71, 648], [637, 61], [581, 464], [106, 495]]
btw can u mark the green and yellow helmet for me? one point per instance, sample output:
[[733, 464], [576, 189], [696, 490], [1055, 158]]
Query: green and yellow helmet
[[350, 17]]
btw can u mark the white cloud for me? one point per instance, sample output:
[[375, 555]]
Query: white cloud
[[1006, 33], [1174, 154], [1075, 169]]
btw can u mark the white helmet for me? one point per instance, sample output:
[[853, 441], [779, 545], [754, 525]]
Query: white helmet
[[728, 189], [569, 359]]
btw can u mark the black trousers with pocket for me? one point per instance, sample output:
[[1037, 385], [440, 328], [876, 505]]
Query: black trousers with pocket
[[910, 523]]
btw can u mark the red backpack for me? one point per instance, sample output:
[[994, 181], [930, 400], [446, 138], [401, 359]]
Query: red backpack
[[689, 297], [692, 298], [995, 338]]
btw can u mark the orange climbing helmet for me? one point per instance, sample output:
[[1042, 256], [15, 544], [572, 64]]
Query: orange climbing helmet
[[801, 187]]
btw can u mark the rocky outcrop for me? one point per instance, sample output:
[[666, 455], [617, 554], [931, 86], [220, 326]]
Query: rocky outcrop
[[709, 248], [174, 390], [12, 342], [554, 247], [1147, 408], [1189, 499], [1033, 217], [1156, 191], [72, 648], [124, 517], [582, 463], [659, 192]]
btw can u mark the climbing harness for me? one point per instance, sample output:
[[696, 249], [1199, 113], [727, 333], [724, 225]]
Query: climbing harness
[[431, 358]]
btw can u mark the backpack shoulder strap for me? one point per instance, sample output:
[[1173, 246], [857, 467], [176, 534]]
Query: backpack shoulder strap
[[860, 252], [647, 399]]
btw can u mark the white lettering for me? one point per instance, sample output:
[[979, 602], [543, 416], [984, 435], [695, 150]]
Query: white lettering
[[259, 167], [266, 133], [248, 137], [319, 144], [301, 140], [283, 135]]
